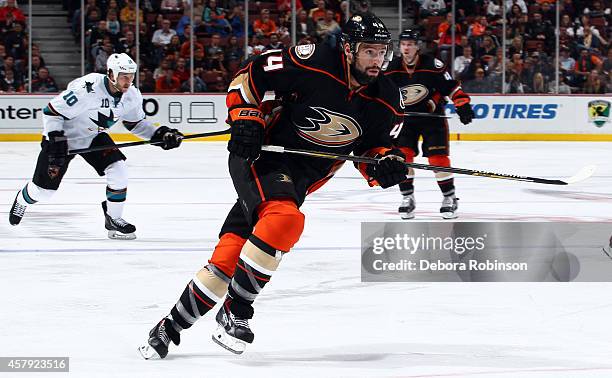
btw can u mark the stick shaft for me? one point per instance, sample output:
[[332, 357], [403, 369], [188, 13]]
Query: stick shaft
[[371, 160], [140, 143]]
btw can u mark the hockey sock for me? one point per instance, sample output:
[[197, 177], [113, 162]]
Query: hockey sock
[[115, 199], [32, 193], [258, 261], [445, 179], [200, 296]]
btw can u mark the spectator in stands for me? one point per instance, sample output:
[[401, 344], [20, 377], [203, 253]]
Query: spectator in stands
[[103, 55], [11, 8], [255, 47], [285, 5], [125, 44], [236, 20], [264, 26], [492, 8], [186, 47], [92, 18], [589, 40], [305, 27], [513, 83], [516, 47], [2, 55], [214, 19], [97, 34], [477, 28], [183, 22], [198, 7], [36, 64], [171, 6], [480, 84], [167, 83], [360, 6], [233, 51], [328, 29], [9, 65], [10, 83], [563, 87], [318, 13], [585, 63], [36, 52], [597, 10], [445, 40], [112, 23], [517, 20], [44, 83], [215, 46], [568, 8], [487, 50], [128, 14], [540, 30], [182, 70], [215, 64], [199, 85], [433, 7], [609, 83], [146, 83], [538, 84], [163, 36], [520, 3], [463, 62], [16, 42], [594, 84], [274, 43], [162, 69], [567, 64]]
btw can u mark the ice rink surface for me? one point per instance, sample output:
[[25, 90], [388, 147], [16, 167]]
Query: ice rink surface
[[67, 290]]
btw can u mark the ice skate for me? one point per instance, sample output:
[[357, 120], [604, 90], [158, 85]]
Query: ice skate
[[17, 212], [232, 333], [118, 228], [449, 207], [159, 340], [406, 209]]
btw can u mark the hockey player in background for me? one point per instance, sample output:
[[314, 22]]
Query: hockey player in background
[[335, 99], [425, 84], [79, 118]]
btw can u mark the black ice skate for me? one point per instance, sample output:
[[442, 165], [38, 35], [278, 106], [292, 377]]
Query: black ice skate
[[118, 228], [159, 340], [449, 207], [233, 332], [17, 212], [406, 209]]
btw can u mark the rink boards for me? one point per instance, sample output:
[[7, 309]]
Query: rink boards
[[498, 117]]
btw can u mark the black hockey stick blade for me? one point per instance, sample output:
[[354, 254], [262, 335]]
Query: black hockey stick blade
[[583, 174], [140, 143], [430, 115]]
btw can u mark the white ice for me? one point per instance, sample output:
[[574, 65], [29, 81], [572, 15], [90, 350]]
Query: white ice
[[67, 290]]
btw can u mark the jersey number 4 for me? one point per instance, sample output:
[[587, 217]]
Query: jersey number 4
[[273, 62], [70, 98], [397, 129]]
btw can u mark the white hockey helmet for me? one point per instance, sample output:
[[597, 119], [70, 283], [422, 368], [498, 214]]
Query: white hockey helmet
[[117, 63]]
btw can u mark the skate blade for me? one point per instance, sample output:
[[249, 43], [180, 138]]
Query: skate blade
[[407, 215], [119, 236], [228, 342], [148, 352]]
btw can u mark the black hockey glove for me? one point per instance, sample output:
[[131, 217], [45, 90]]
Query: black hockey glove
[[170, 138], [57, 150], [247, 128], [465, 113], [391, 169]]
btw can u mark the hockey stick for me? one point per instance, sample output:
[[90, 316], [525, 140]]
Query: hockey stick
[[430, 115], [583, 174], [130, 144]]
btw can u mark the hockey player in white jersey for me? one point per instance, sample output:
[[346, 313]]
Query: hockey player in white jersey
[[79, 118]]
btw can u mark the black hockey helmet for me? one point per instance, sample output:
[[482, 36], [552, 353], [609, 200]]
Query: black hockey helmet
[[367, 28], [410, 34]]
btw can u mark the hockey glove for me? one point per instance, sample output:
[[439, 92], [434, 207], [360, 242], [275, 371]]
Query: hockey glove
[[465, 113], [169, 138], [390, 170], [57, 151], [247, 128]]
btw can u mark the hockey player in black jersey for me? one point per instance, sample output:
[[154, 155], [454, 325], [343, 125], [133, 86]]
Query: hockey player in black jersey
[[333, 99], [424, 84]]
